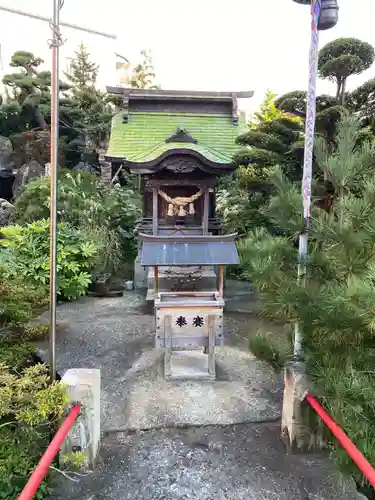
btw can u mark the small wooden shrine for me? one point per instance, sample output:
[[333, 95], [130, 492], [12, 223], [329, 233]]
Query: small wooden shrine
[[180, 143]]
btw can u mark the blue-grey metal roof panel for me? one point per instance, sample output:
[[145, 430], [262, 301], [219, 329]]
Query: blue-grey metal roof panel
[[180, 253]]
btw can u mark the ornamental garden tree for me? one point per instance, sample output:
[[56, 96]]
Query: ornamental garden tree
[[342, 58], [335, 306]]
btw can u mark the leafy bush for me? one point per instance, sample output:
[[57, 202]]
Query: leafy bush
[[109, 213], [17, 298], [76, 256], [75, 198], [30, 408]]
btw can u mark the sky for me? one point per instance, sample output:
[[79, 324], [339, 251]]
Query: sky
[[199, 44]]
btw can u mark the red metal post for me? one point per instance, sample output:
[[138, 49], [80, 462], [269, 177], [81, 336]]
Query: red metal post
[[42, 468], [365, 467]]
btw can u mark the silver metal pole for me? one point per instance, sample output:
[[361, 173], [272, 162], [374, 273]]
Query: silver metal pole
[[55, 44], [308, 158], [67, 25]]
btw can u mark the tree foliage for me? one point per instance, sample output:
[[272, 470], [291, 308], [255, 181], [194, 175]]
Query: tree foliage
[[269, 140], [30, 407], [83, 72], [90, 110], [338, 60], [85, 112], [335, 306], [362, 101], [143, 75], [267, 110], [342, 58]]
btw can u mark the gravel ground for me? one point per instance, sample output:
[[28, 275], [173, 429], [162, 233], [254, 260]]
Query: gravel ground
[[244, 462], [197, 462], [116, 336]]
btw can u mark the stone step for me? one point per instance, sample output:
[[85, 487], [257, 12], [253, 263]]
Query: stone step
[[189, 365], [189, 340]]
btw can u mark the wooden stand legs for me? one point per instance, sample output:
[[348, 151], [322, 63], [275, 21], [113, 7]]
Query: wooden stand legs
[[211, 346], [207, 370]]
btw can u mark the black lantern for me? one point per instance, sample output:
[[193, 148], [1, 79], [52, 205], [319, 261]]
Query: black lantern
[[329, 14]]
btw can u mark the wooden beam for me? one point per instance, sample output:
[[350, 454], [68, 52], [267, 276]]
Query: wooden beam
[[201, 183], [156, 280], [180, 94], [211, 345], [206, 211], [155, 215], [168, 346], [189, 238], [221, 281]]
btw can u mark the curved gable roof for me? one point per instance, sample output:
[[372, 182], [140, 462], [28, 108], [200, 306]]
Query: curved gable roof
[[142, 139]]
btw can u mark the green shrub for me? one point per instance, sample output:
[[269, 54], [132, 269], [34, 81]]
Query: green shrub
[[17, 298], [76, 256], [76, 198], [30, 408], [16, 356], [109, 213], [122, 210]]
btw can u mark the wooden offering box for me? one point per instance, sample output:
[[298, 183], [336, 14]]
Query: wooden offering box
[[187, 321]]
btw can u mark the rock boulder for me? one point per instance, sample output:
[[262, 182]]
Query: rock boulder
[[25, 174], [6, 150], [6, 210]]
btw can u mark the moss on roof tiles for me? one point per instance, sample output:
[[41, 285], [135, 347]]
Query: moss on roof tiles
[[142, 139]]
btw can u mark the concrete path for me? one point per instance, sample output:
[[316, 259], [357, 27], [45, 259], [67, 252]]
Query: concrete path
[[212, 454]]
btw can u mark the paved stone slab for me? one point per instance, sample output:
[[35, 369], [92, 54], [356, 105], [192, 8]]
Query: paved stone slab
[[244, 392], [245, 462]]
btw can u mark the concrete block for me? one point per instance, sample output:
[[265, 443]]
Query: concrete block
[[140, 274], [84, 388]]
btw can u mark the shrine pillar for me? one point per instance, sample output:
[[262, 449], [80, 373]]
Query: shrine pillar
[[206, 210], [155, 201]]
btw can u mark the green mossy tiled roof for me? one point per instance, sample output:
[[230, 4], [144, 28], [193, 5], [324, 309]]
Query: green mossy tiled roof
[[142, 139]]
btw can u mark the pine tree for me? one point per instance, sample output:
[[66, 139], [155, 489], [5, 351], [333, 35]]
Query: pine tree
[[83, 72], [267, 111], [29, 88], [335, 307], [273, 138], [341, 58], [90, 110]]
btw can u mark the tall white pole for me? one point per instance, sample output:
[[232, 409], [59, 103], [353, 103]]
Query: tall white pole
[[308, 158], [55, 44]]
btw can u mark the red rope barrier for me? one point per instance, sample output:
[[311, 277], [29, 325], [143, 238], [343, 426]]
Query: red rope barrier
[[365, 467], [42, 468]]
